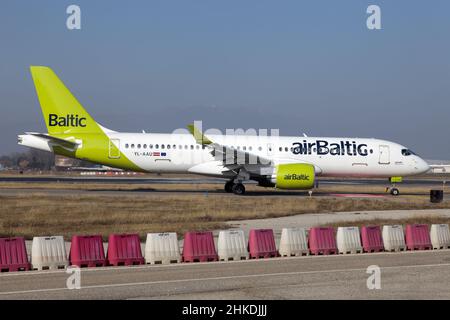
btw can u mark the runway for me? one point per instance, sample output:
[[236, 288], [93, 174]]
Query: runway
[[143, 186], [198, 180], [406, 275]]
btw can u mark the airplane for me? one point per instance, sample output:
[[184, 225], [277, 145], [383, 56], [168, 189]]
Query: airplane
[[287, 162]]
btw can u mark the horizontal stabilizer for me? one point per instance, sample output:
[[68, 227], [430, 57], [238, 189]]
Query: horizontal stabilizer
[[56, 141]]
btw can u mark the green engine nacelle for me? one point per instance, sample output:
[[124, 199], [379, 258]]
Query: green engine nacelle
[[294, 176]]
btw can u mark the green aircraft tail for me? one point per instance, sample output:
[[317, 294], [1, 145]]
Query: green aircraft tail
[[62, 112]]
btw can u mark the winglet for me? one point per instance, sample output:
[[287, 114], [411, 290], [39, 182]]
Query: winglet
[[198, 135]]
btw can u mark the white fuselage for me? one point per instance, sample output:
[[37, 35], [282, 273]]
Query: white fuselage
[[331, 157]]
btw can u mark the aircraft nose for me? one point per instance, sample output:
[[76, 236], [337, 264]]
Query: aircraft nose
[[422, 166]]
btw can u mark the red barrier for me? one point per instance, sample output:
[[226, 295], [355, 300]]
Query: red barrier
[[372, 240], [322, 241], [124, 250], [199, 247], [13, 255], [87, 251], [418, 237], [261, 244]]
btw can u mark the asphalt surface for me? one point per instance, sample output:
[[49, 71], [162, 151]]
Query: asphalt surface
[[148, 190], [206, 180], [405, 275]]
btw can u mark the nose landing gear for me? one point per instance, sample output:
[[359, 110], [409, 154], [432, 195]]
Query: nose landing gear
[[395, 191]]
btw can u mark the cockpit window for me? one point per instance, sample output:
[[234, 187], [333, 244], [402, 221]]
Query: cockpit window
[[407, 152]]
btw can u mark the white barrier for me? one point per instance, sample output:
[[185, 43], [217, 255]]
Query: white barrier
[[440, 236], [394, 238], [48, 253], [293, 242], [162, 248], [231, 245], [348, 240]]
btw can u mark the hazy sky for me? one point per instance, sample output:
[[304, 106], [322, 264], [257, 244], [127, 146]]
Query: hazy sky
[[300, 66]]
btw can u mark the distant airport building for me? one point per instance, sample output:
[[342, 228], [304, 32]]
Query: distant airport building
[[64, 163], [68, 164], [439, 166]]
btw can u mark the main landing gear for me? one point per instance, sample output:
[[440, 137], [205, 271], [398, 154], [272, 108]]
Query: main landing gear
[[236, 188]]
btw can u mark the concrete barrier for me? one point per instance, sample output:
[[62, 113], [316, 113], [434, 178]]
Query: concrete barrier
[[418, 237], [124, 250], [231, 245], [348, 240], [394, 238], [293, 242], [322, 241], [440, 236], [261, 244], [371, 239], [199, 247], [13, 255], [87, 251], [49, 253], [162, 248]]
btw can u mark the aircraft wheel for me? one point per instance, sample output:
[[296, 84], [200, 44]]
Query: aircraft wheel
[[229, 186], [238, 189], [395, 192]]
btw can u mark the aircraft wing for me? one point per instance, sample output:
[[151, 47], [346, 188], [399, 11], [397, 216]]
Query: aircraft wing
[[55, 141], [231, 158]]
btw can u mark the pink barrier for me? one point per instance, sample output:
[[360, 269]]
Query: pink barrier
[[372, 240], [87, 251], [199, 247], [261, 244], [124, 250], [13, 255], [322, 241], [418, 237]]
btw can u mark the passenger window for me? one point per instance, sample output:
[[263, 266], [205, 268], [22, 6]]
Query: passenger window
[[281, 149], [192, 147], [156, 146], [144, 146], [168, 146], [260, 148], [150, 146], [174, 146], [250, 148], [286, 149], [132, 146], [126, 145]]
